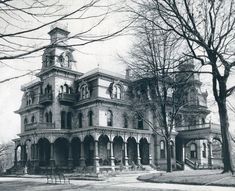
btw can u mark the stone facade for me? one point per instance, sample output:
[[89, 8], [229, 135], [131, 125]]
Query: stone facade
[[71, 120]]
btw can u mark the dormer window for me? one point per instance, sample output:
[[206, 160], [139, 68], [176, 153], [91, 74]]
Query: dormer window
[[29, 97], [84, 91], [65, 59], [115, 90]]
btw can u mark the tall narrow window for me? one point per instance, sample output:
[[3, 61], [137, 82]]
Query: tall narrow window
[[69, 120], [90, 118], [86, 92], [109, 118], [204, 150], [66, 88], [162, 149], [80, 120], [193, 151], [33, 119], [63, 115], [48, 89], [47, 117], [61, 89], [116, 92], [172, 149], [25, 121], [125, 120], [140, 124], [50, 117]]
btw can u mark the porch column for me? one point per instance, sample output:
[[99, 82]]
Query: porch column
[[23, 157], [183, 151], [32, 154], [82, 158], [52, 161], [70, 158], [183, 154], [15, 157], [111, 156], [36, 155], [150, 156], [138, 154], [125, 154], [96, 158], [210, 154]]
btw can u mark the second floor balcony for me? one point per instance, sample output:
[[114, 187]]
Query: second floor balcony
[[45, 99], [67, 98], [198, 126], [36, 126]]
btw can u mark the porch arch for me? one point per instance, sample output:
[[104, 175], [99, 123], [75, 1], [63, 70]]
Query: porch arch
[[144, 151], [44, 152], [76, 151], [132, 150], [89, 147], [104, 150], [118, 150], [61, 151]]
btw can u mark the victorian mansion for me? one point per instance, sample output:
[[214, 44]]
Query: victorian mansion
[[72, 120]]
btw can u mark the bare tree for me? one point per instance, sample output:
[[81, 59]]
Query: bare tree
[[154, 62], [208, 30], [24, 22], [6, 156]]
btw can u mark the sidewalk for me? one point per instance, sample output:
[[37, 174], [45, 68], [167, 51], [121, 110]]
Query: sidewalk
[[193, 177]]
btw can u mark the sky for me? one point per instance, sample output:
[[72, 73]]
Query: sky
[[101, 54]]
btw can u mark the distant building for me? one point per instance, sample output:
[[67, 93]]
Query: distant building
[[72, 120]]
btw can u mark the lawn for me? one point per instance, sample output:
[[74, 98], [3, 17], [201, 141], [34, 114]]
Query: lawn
[[198, 177]]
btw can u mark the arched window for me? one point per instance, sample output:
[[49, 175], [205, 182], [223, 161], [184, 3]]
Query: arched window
[[204, 150], [48, 89], [193, 151], [33, 119], [90, 118], [66, 88], [109, 118], [83, 96], [172, 149], [203, 121], [125, 120], [50, 117], [140, 124], [63, 116], [117, 91], [69, 120], [80, 120], [47, 117], [84, 92], [26, 121], [70, 90], [61, 89], [192, 97], [162, 149]]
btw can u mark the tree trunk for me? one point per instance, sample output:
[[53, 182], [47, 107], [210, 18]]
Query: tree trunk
[[168, 156], [226, 144]]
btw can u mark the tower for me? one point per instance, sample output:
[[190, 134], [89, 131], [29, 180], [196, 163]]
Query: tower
[[57, 77], [190, 96]]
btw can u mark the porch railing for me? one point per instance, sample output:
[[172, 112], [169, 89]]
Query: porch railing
[[180, 165], [34, 126], [190, 163], [198, 126]]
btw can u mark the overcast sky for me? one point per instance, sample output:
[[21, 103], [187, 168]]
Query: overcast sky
[[104, 54]]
